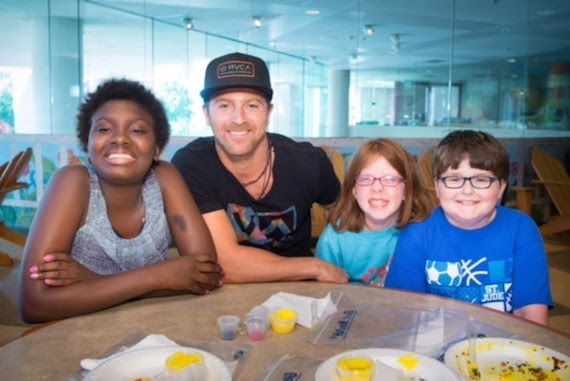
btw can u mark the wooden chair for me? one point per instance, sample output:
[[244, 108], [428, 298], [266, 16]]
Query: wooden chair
[[553, 176], [9, 174], [338, 164], [427, 177], [318, 212]]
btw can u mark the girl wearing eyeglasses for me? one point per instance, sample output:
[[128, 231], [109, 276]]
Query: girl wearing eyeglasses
[[380, 195], [471, 248]]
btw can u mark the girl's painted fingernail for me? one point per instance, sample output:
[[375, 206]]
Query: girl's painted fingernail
[[34, 275], [48, 281], [48, 258], [207, 292], [34, 269]]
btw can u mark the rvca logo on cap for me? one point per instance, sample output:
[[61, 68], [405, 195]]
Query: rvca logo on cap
[[236, 69]]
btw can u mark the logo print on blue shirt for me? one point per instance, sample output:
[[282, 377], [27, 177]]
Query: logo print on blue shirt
[[443, 273]]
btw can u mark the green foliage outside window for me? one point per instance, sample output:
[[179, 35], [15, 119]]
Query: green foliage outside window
[[7, 106], [178, 105]]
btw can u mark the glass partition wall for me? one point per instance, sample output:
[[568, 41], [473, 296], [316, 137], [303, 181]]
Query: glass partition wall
[[54, 52]]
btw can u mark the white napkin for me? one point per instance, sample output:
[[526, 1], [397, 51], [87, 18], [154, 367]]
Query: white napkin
[[309, 310], [147, 342]]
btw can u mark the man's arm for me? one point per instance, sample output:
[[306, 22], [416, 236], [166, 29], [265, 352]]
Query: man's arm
[[244, 264]]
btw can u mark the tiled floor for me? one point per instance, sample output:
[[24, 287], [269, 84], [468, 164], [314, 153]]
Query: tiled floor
[[558, 256]]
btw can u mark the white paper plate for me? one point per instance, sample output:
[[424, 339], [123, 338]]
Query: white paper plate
[[148, 362], [428, 369], [500, 353]]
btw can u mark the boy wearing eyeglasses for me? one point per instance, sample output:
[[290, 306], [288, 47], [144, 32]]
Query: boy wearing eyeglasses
[[471, 248], [381, 193]]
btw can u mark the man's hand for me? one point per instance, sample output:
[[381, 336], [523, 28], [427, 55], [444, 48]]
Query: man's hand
[[327, 272]]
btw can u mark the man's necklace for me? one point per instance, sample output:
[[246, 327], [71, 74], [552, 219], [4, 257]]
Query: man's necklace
[[268, 178], [267, 165]]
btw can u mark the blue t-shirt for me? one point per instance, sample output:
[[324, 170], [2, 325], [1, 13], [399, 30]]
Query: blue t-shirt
[[365, 255], [501, 265]]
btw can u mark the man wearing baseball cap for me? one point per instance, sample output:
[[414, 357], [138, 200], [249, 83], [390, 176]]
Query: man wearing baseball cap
[[255, 189]]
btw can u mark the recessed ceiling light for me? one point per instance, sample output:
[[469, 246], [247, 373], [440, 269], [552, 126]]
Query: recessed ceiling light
[[511, 60], [188, 24], [312, 12], [256, 20]]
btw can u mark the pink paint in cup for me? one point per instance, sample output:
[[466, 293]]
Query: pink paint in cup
[[256, 327]]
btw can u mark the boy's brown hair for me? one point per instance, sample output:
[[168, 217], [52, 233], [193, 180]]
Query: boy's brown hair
[[483, 150]]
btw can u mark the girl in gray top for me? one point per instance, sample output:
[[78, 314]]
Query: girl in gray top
[[102, 232]]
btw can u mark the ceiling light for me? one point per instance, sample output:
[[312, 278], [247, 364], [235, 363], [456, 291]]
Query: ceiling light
[[312, 12], [369, 30], [188, 24], [256, 20]]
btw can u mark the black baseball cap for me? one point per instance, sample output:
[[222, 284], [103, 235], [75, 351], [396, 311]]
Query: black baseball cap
[[236, 70]]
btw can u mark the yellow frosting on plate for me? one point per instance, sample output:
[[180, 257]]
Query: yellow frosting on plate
[[179, 361], [519, 372]]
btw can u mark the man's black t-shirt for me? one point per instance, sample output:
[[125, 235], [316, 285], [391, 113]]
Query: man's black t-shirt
[[280, 222]]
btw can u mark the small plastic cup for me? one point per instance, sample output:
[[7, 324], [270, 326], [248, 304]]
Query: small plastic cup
[[355, 368], [283, 320], [260, 310], [256, 327], [197, 372], [227, 325]]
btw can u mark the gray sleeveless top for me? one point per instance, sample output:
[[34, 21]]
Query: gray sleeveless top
[[96, 245]]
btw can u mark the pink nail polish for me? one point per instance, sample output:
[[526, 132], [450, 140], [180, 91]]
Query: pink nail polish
[[34, 276], [48, 258], [48, 281], [34, 269]]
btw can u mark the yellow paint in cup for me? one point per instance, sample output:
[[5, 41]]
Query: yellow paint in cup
[[355, 368], [283, 320], [409, 362]]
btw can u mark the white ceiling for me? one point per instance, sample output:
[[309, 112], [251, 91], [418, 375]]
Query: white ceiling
[[485, 30]]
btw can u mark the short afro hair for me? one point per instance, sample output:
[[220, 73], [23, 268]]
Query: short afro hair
[[123, 89]]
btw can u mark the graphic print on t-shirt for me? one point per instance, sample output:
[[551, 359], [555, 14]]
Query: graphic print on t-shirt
[[260, 228], [376, 276], [481, 281]]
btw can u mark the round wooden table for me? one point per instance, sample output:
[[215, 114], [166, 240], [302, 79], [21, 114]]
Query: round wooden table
[[53, 351]]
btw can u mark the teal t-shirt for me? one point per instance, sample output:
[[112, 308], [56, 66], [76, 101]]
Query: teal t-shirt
[[365, 255]]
